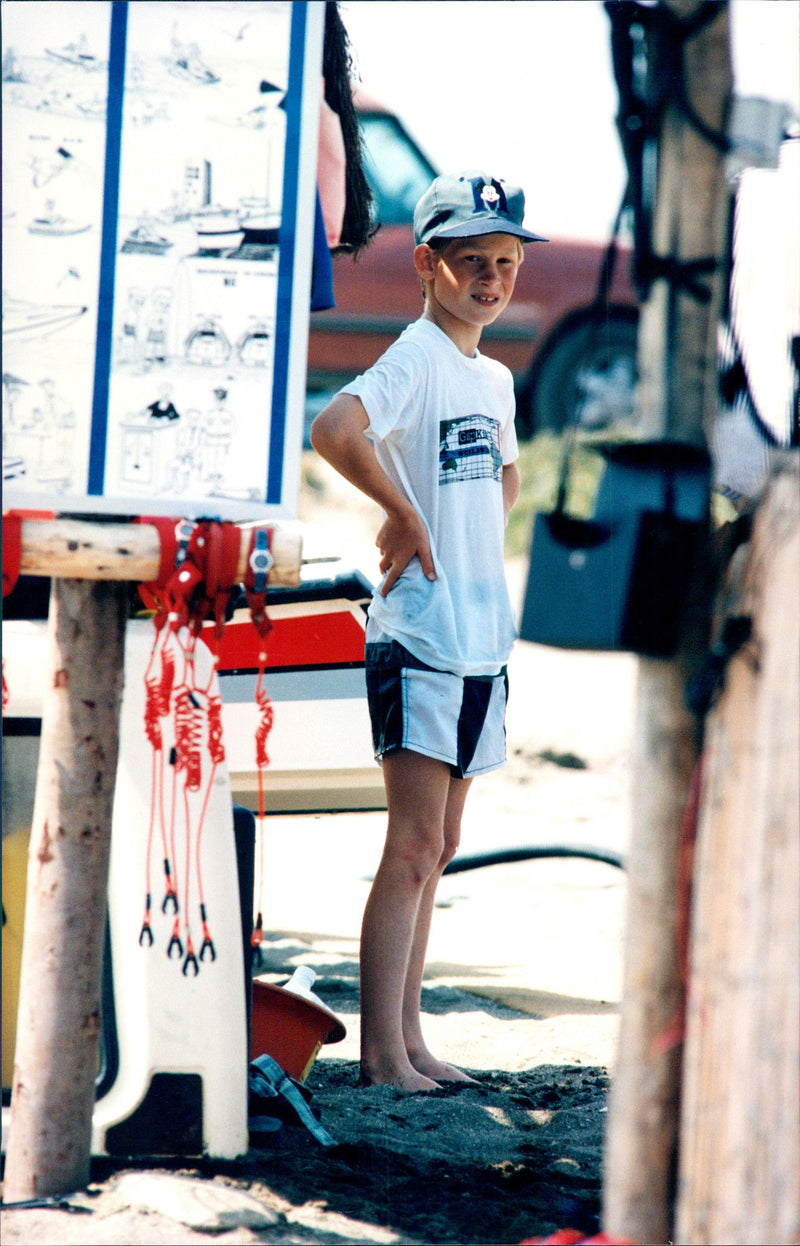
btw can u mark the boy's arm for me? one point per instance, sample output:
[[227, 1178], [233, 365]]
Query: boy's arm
[[511, 487], [337, 435]]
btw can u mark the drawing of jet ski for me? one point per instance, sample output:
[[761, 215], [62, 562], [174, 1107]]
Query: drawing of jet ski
[[23, 319], [187, 63], [77, 54], [253, 347], [12, 70], [144, 240], [54, 225], [207, 344], [263, 114], [93, 108]]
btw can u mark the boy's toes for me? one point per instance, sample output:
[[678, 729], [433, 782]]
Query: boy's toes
[[410, 1080]]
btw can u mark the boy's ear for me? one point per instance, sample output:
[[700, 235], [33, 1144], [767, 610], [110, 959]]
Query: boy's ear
[[425, 261]]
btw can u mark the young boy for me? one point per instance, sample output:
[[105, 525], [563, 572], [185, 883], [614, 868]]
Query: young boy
[[428, 434]]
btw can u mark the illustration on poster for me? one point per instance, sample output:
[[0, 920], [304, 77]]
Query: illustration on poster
[[195, 267]]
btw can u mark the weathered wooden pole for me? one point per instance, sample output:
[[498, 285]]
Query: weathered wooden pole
[[739, 1169], [677, 401], [57, 1052]]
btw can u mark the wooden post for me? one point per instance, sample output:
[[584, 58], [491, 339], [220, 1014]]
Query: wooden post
[[57, 1051], [740, 1117], [677, 400]]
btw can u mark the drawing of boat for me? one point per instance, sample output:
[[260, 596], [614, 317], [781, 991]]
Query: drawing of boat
[[13, 466], [255, 213], [261, 226], [52, 224], [23, 319], [143, 240], [217, 229]]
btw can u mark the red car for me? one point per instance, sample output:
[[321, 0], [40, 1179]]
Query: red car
[[564, 361]]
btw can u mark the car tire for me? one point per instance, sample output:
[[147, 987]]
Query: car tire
[[587, 374]]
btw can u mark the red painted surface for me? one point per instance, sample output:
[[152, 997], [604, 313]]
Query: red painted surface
[[328, 639]]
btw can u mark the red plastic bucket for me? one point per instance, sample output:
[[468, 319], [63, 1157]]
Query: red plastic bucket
[[290, 1028]]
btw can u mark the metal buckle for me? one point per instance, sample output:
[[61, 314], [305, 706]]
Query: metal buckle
[[260, 561]]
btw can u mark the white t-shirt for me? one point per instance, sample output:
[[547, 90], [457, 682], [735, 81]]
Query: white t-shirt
[[442, 425]]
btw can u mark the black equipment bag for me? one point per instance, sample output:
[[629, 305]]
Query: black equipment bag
[[619, 580]]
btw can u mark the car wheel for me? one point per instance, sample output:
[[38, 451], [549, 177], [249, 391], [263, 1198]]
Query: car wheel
[[587, 375]]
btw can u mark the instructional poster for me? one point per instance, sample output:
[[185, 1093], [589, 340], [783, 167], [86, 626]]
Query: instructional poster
[[159, 171]]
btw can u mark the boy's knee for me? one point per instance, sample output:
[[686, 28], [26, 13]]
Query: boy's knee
[[448, 851], [420, 850]]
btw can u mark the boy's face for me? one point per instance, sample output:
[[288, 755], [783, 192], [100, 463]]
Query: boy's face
[[472, 279]]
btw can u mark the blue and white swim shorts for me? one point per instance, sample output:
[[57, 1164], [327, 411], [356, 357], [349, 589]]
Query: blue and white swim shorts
[[458, 719]]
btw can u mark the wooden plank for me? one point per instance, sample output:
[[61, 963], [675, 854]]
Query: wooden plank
[[739, 1174]]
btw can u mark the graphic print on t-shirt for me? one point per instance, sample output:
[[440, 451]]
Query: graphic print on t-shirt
[[469, 449]]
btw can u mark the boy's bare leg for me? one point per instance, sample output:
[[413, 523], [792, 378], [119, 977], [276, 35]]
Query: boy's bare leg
[[418, 1053], [417, 790]]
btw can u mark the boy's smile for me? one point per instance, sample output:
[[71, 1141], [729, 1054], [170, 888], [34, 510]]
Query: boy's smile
[[468, 284]]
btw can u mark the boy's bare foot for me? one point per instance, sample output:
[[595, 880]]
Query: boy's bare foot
[[439, 1070], [409, 1080]]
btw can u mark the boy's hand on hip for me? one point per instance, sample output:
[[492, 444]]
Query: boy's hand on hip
[[402, 536]]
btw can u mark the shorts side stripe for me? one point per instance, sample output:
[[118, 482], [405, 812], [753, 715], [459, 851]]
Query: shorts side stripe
[[474, 704]]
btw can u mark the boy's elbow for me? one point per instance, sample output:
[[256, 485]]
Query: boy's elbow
[[314, 434], [336, 427], [320, 433]]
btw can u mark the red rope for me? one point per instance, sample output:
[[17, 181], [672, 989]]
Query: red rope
[[266, 719]]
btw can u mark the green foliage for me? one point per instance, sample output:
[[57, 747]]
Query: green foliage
[[539, 468]]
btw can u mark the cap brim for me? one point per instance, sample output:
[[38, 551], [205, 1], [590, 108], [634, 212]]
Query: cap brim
[[489, 225]]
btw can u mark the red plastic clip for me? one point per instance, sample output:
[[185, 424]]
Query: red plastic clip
[[146, 934], [175, 947], [190, 960]]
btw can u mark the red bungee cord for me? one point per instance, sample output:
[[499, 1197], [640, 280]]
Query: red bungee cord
[[158, 696], [197, 572], [259, 565], [174, 541]]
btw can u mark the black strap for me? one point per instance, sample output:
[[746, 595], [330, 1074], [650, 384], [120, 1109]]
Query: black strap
[[597, 316], [647, 45]]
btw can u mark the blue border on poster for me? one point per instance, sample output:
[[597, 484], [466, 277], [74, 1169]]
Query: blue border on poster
[[287, 242], [108, 247]]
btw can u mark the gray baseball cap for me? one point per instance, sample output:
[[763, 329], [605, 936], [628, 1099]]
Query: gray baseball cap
[[467, 204]]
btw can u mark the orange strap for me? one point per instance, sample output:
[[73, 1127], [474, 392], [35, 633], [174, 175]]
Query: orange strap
[[12, 550]]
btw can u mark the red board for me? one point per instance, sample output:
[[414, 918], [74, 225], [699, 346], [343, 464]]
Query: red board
[[332, 638]]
